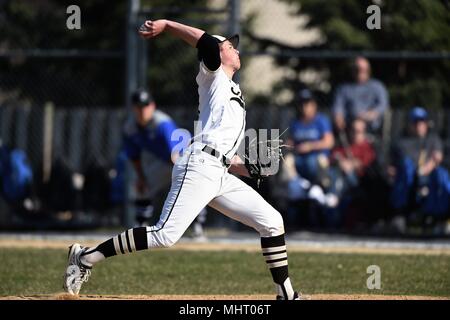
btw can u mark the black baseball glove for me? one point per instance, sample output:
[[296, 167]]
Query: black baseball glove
[[262, 158]]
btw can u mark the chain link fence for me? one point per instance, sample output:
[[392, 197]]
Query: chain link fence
[[282, 54], [60, 100]]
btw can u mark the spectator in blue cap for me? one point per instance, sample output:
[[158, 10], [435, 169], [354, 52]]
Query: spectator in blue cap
[[420, 184], [418, 114], [422, 146]]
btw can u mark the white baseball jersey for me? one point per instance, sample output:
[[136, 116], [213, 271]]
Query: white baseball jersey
[[200, 179], [221, 111]]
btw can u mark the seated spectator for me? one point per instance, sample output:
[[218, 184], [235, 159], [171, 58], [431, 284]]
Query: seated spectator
[[355, 159], [312, 139], [420, 185], [308, 166], [365, 98], [299, 188], [356, 189], [307, 203]]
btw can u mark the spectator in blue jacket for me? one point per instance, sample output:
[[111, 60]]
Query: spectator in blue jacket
[[151, 130], [312, 139], [365, 98], [420, 183]]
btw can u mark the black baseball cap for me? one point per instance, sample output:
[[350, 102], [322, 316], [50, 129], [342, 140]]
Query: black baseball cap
[[305, 95], [141, 98]]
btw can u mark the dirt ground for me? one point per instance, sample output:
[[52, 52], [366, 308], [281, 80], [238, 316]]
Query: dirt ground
[[205, 246], [64, 296], [61, 244]]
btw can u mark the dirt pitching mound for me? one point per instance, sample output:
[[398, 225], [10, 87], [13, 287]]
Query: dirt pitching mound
[[64, 296], [64, 244]]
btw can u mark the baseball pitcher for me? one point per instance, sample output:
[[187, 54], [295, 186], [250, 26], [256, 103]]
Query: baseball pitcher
[[202, 175]]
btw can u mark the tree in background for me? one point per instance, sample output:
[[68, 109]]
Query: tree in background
[[173, 65], [75, 81], [417, 25], [88, 81]]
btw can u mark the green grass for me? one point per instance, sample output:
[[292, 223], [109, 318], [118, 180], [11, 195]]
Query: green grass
[[39, 271]]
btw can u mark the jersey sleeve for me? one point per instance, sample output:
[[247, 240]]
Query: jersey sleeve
[[205, 76], [292, 129], [209, 52], [166, 129], [325, 124], [382, 98]]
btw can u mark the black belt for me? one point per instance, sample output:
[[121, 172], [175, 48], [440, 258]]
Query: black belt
[[225, 162]]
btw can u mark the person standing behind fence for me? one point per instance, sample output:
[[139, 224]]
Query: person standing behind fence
[[365, 98], [153, 131]]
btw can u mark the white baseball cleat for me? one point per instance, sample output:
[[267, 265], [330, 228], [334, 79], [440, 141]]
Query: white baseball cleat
[[297, 296], [76, 273]]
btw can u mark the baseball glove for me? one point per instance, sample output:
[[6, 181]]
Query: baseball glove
[[262, 158]]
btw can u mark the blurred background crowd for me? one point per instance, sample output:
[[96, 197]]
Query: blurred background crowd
[[86, 116]]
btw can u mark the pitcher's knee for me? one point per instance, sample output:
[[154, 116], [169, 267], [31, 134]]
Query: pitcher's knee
[[273, 226], [170, 240], [164, 239]]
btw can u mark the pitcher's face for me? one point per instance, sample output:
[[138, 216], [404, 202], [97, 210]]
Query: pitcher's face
[[229, 55]]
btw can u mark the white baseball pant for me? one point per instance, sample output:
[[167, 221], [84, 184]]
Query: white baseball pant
[[200, 179]]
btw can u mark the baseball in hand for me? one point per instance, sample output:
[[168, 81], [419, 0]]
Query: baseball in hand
[[143, 28], [151, 29]]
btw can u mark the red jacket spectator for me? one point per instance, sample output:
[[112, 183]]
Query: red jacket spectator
[[359, 155]]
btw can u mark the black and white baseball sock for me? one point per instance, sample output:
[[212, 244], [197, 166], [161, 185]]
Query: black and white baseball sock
[[128, 241], [274, 251]]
